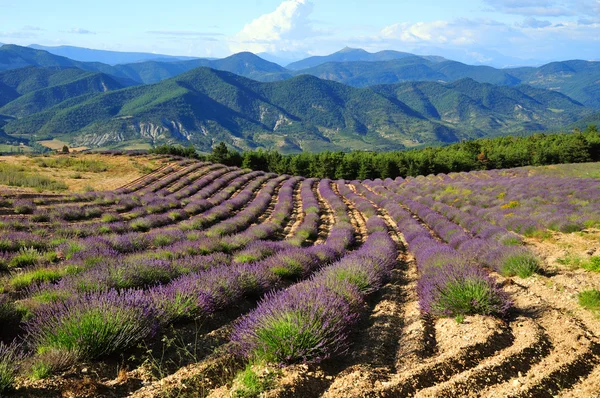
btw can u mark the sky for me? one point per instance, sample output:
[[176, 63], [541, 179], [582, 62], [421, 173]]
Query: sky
[[508, 32]]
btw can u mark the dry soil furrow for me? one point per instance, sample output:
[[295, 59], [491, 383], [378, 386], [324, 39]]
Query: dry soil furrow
[[297, 215], [414, 343], [574, 350], [461, 347], [587, 387], [327, 217], [530, 345], [356, 217]]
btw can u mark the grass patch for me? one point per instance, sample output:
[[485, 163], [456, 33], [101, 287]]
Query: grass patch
[[72, 163], [26, 279], [467, 297], [16, 176], [254, 380], [590, 300], [521, 264], [591, 264]]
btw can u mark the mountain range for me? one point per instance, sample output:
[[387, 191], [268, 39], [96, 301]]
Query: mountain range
[[348, 100], [355, 67]]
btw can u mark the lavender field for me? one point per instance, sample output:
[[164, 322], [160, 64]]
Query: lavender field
[[200, 279]]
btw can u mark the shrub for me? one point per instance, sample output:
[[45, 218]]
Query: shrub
[[461, 290], [96, 324], [518, 261], [24, 206], [26, 257], [51, 361], [303, 323]]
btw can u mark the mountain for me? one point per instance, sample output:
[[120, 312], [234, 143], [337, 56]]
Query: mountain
[[107, 57], [485, 108], [593, 119], [244, 64], [37, 89], [576, 78], [16, 57], [348, 55], [412, 68], [304, 113]]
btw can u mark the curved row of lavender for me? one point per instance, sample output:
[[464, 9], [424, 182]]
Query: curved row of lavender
[[476, 240], [120, 288], [451, 281], [311, 321]]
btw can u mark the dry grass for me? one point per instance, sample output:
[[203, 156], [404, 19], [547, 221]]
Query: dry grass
[[120, 170], [58, 145]]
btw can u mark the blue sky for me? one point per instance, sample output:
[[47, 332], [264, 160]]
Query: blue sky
[[476, 31]]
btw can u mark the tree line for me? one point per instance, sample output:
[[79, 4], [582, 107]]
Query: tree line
[[482, 154]]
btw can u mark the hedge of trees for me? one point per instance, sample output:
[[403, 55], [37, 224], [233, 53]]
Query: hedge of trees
[[494, 153]]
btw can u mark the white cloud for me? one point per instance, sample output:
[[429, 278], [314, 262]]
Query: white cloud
[[284, 29], [460, 32], [80, 31]]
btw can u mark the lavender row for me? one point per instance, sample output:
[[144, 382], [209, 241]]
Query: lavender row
[[450, 283], [340, 210], [311, 321], [257, 207], [128, 316], [363, 205], [488, 248], [190, 180], [145, 181], [173, 177]]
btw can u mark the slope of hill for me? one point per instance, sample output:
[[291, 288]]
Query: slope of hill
[[204, 105], [352, 55], [106, 57], [412, 68], [16, 57], [577, 79], [43, 88]]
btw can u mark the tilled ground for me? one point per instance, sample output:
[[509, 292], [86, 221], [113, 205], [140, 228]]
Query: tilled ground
[[547, 346]]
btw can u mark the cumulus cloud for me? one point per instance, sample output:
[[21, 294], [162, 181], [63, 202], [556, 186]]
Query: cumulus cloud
[[80, 31], [32, 28], [534, 23], [281, 30]]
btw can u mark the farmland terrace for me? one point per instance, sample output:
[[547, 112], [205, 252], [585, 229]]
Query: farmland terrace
[[196, 279]]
